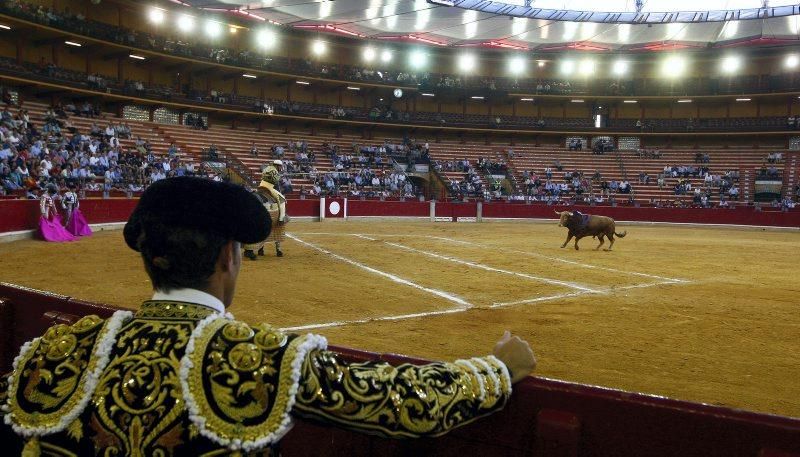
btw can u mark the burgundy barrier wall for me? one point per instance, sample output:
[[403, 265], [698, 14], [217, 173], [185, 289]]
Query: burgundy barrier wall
[[388, 208], [23, 214], [544, 417], [740, 216]]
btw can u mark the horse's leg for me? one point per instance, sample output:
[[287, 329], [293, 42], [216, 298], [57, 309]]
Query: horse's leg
[[601, 237], [569, 237]]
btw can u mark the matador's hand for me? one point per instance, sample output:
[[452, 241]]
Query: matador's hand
[[516, 354]]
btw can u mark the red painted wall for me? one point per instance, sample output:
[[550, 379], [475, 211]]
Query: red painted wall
[[24, 214], [544, 417]]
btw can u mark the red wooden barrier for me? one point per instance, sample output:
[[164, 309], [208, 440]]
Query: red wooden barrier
[[544, 417]]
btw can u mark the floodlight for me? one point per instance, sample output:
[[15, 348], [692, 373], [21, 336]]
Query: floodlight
[[156, 15], [792, 61], [586, 67], [213, 28], [369, 54], [417, 59], [265, 38], [673, 66], [620, 67], [466, 62], [318, 47], [185, 23], [731, 63], [567, 67], [386, 56], [516, 65]]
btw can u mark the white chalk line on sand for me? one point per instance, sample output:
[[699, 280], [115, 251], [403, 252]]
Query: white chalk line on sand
[[490, 246], [481, 266], [557, 259], [439, 293], [463, 310], [576, 294]]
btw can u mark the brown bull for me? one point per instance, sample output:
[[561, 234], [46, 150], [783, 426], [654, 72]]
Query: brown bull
[[581, 225]]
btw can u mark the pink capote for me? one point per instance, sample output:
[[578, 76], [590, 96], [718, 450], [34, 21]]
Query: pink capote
[[52, 230], [77, 225]]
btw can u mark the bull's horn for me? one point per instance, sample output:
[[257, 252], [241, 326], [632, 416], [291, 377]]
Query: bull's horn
[[571, 214], [556, 212]]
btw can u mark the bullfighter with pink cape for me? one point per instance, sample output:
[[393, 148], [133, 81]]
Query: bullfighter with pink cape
[[50, 222], [76, 222]]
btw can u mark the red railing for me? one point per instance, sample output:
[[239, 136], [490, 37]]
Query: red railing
[[545, 417]]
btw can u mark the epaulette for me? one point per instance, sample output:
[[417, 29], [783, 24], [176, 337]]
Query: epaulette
[[239, 382], [55, 375]]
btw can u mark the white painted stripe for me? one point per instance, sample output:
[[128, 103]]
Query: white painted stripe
[[491, 246], [461, 310], [575, 294], [557, 259], [365, 237], [374, 319], [439, 293], [481, 266]]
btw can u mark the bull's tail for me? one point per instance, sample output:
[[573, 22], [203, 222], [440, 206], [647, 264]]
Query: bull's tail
[[621, 235]]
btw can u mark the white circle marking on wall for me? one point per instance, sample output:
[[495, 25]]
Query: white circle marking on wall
[[334, 208]]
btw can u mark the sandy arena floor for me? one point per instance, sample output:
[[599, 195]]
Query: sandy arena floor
[[702, 314]]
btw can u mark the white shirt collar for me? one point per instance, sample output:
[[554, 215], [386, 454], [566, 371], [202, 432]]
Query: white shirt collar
[[191, 296]]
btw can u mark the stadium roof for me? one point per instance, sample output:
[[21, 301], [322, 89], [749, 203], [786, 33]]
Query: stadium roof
[[660, 24]]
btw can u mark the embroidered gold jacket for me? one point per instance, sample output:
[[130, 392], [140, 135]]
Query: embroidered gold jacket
[[180, 379]]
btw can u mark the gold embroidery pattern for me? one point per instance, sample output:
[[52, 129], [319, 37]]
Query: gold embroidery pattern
[[240, 381], [50, 376], [138, 400], [403, 401], [173, 310]]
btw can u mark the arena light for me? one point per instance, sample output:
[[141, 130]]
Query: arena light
[[567, 67], [466, 62], [742, 99], [730, 64], [792, 60], [369, 54], [156, 15], [135, 56], [266, 38], [386, 56], [318, 47], [417, 59], [248, 75], [526, 99], [541, 63], [4, 27], [213, 29], [620, 67], [476, 97], [232, 30], [353, 88], [586, 67], [426, 94], [685, 100], [673, 66], [577, 100], [72, 43], [303, 83], [630, 101], [516, 65], [185, 23]]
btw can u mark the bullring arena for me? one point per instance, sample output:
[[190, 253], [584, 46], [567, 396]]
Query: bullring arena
[[424, 151], [696, 313]]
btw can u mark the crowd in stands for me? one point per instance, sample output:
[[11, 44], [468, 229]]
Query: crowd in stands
[[76, 22], [383, 113], [55, 152]]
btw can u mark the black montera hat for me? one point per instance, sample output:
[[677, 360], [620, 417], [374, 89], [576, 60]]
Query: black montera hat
[[200, 204]]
